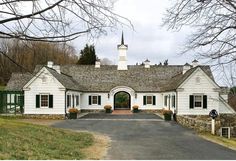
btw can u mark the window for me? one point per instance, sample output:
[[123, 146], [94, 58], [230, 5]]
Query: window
[[149, 100], [68, 101], [225, 132], [95, 100], [44, 100], [197, 101], [77, 100], [165, 100], [173, 101]]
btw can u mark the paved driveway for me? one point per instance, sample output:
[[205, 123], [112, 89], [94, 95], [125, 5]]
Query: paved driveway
[[134, 137]]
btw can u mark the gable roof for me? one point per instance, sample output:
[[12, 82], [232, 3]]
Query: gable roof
[[141, 79], [66, 80], [90, 79]]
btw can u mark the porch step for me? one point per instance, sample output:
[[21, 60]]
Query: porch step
[[122, 112]]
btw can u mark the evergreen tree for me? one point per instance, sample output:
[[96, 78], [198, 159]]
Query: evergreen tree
[[87, 55]]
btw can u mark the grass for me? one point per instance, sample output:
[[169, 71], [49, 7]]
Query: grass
[[2, 88], [229, 143], [24, 141]]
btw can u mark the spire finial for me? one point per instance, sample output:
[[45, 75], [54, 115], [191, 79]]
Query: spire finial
[[122, 38]]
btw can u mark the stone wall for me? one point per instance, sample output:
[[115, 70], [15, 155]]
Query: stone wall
[[203, 123], [42, 116], [229, 120]]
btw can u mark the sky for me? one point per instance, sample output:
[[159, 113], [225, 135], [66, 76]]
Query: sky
[[148, 40]]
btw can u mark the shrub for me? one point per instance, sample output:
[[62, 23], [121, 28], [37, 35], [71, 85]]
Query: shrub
[[167, 112], [135, 107], [73, 110], [107, 107]]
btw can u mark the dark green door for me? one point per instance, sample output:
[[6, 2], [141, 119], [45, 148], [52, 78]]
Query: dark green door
[[122, 101]]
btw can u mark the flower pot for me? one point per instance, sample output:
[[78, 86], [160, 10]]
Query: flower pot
[[108, 110], [73, 115], [167, 117], [135, 110]]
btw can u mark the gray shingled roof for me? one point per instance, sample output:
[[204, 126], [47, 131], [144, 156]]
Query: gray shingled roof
[[153, 79], [91, 79], [17, 81]]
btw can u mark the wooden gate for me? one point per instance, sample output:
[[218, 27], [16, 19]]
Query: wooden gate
[[11, 102]]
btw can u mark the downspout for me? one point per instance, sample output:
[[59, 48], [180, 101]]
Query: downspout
[[176, 101], [65, 104]]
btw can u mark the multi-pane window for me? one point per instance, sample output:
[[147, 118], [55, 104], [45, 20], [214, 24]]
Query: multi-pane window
[[44, 100], [165, 100], [173, 101], [77, 100], [68, 100], [198, 101], [149, 100], [95, 100]]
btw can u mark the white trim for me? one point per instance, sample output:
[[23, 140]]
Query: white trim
[[26, 86], [199, 70], [45, 94], [227, 105]]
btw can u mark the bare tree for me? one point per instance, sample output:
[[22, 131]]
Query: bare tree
[[215, 23], [56, 20]]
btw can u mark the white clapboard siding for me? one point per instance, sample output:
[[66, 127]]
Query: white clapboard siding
[[52, 87], [191, 87]]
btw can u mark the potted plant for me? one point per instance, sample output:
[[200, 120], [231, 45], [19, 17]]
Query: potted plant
[[167, 114], [108, 108], [73, 113], [135, 109]]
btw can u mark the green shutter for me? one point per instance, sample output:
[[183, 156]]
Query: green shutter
[[99, 100], [50, 101], [90, 100], [144, 100], [153, 100], [37, 101], [205, 101], [191, 102]]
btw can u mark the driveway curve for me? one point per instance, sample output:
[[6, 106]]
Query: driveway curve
[[149, 139]]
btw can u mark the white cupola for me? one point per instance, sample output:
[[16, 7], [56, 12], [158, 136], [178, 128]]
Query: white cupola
[[147, 63], [195, 63], [122, 60]]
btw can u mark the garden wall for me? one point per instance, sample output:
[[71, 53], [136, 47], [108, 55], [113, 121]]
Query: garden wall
[[203, 123]]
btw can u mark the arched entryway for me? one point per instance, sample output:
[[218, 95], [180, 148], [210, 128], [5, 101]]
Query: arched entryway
[[122, 101]]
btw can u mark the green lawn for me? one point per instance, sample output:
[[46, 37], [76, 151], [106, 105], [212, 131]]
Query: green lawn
[[25, 141], [230, 143]]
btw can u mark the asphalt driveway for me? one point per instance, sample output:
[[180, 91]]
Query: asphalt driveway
[[148, 137]]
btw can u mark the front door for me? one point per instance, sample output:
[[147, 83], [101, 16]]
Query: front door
[[122, 101]]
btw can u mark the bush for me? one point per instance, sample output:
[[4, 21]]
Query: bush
[[135, 107], [107, 107], [73, 110], [167, 112]]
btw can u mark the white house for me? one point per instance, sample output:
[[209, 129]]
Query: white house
[[185, 89]]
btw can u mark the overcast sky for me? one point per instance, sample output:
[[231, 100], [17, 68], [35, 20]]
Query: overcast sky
[[148, 41]]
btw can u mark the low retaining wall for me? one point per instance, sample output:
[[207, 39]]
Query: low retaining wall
[[44, 116], [203, 123]]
